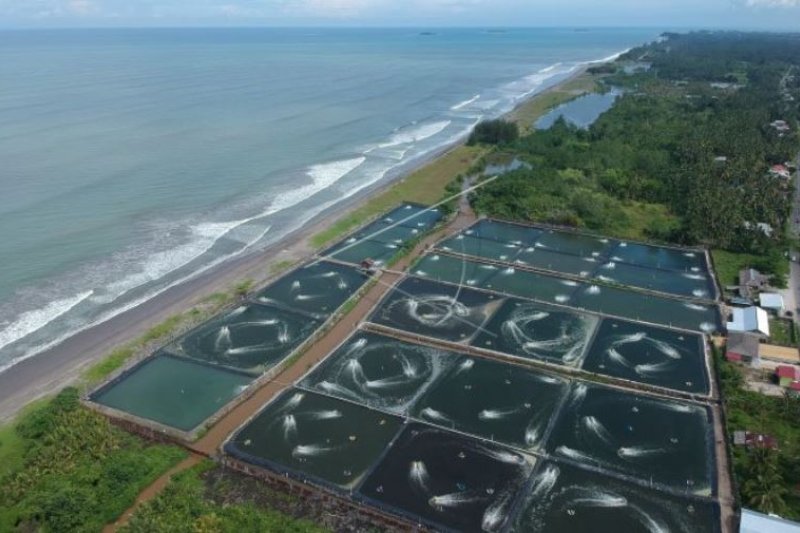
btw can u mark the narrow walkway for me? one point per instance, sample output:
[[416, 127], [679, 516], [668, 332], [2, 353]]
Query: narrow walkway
[[209, 445]]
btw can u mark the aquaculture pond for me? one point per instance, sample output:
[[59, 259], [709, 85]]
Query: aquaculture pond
[[315, 437], [605, 299], [645, 354], [493, 400], [451, 441], [523, 329], [379, 372], [316, 289], [664, 442], [562, 498], [382, 239], [172, 391], [681, 272], [433, 309], [536, 331], [447, 480], [251, 337]]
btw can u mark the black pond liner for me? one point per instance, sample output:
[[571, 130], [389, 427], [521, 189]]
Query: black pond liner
[[448, 481], [316, 438], [563, 498], [666, 443]]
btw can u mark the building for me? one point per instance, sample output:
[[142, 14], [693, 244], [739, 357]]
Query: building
[[749, 320], [780, 171], [754, 522], [743, 348], [751, 280], [787, 375], [754, 440], [772, 301], [781, 126]]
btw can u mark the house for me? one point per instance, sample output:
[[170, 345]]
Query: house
[[754, 440], [749, 320], [743, 348], [754, 522], [780, 126], [761, 227], [721, 159], [787, 374], [752, 279], [772, 301], [780, 171]]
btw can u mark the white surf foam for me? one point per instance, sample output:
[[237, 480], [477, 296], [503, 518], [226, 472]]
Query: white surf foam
[[416, 134], [465, 103], [36, 319]]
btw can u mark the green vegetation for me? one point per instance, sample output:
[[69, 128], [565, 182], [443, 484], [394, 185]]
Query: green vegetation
[[728, 265], [783, 332], [494, 132], [426, 186], [243, 287], [767, 479], [194, 503], [648, 167], [66, 468], [281, 266]]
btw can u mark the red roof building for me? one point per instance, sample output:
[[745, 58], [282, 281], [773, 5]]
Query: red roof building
[[787, 375]]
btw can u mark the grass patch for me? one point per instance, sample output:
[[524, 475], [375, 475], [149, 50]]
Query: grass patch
[[425, 186], [728, 265], [66, 468], [281, 266], [783, 332], [192, 502]]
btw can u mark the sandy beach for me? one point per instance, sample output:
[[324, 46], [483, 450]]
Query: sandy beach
[[63, 365]]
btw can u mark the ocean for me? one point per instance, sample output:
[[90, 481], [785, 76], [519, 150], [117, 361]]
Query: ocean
[[132, 160]]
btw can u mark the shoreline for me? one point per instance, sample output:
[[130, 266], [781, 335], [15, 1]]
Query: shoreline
[[63, 365]]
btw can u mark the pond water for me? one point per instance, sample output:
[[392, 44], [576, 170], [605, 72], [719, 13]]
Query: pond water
[[582, 111]]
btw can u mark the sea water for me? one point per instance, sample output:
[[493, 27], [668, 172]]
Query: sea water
[[135, 159]]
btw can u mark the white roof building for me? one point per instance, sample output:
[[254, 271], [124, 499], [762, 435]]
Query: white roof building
[[753, 522], [772, 300], [749, 319]]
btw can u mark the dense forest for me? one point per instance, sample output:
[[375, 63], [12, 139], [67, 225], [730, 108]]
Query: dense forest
[[683, 156]]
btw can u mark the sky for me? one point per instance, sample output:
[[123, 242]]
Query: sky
[[744, 14]]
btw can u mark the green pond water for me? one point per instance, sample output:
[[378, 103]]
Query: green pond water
[[381, 240], [314, 436], [672, 271], [173, 391]]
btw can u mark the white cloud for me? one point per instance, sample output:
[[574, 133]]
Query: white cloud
[[772, 3]]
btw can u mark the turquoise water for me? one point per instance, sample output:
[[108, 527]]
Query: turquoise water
[[133, 159]]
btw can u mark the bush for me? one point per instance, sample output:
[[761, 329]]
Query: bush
[[494, 132]]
